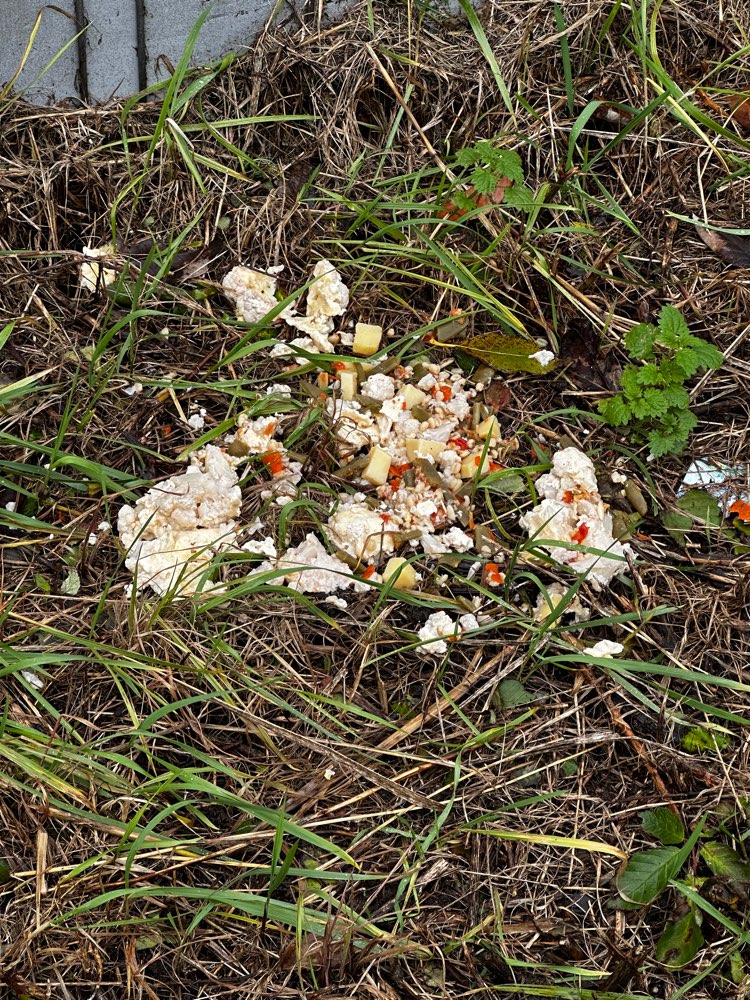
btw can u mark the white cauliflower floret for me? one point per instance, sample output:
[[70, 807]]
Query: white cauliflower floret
[[253, 293], [328, 295], [255, 437], [360, 532], [261, 547], [440, 626], [454, 540], [543, 357], [174, 531], [317, 328], [326, 572], [572, 512], [379, 387]]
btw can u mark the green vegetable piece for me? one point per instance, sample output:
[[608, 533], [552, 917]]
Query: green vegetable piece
[[680, 942], [663, 824]]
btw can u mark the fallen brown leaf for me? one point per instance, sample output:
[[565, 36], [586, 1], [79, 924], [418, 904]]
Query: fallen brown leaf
[[730, 248], [740, 105]]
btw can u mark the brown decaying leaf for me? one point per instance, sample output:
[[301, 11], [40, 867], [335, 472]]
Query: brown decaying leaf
[[728, 247], [740, 105], [453, 214], [497, 396]]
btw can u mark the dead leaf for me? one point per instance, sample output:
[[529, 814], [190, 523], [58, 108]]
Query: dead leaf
[[507, 354], [728, 247], [742, 509], [497, 396], [453, 213], [740, 105], [580, 344]]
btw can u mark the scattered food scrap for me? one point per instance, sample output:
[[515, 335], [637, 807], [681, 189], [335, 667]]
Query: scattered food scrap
[[440, 627], [573, 513], [605, 648]]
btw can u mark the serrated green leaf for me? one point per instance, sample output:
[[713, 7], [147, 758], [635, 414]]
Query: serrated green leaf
[[466, 157], [680, 942], [665, 444], [510, 166], [506, 354], [676, 397], [673, 330], [629, 382], [639, 341], [615, 411], [649, 374], [706, 354], [483, 180], [724, 860], [686, 360], [655, 403], [663, 824], [647, 874]]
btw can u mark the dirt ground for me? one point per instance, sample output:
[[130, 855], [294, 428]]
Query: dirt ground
[[267, 796]]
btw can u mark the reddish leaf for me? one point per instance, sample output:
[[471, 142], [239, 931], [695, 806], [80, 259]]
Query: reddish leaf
[[453, 213], [497, 396], [740, 105]]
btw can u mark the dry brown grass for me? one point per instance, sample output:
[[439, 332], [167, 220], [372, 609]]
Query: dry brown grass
[[262, 697]]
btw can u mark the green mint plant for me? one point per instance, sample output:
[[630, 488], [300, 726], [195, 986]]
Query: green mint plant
[[497, 177], [653, 403]]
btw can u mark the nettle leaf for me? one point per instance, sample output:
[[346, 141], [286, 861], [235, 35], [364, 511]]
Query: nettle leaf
[[706, 354], [680, 942], [507, 354], [649, 374], [724, 860], [661, 443], [639, 341], [648, 873], [484, 181], [676, 397], [629, 382], [687, 361], [685, 421], [663, 824], [467, 157], [656, 404], [509, 165], [673, 330], [510, 693], [615, 411]]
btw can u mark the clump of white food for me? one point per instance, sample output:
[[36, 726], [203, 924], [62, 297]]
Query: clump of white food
[[439, 627], [572, 512], [543, 357], [359, 531], [253, 293], [328, 297], [95, 275], [324, 573], [555, 594], [605, 648], [173, 532]]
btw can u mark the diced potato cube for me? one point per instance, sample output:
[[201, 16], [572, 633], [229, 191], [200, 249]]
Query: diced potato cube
[[411, 395], [378, 466], [489, 428], [348, 382], [474, 465], [423, 448], [366, 339], [406, 578]]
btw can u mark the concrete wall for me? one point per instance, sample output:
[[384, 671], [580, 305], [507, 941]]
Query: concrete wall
[[114, 58]]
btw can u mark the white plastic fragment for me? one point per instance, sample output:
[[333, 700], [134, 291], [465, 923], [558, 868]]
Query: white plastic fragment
[[32, 677], [173, 532], [572, 512]]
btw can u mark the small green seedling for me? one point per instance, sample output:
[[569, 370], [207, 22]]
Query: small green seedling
[[654, 403], [497, 177]]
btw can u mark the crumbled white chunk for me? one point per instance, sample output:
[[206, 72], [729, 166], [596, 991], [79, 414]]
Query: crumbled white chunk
[[467, 623], [173, 532], [255, 437], [543, 357], [572, 512], [261, 547], [280, 351], [337, 602], [360, 532], [278, 389], [318, 330], [379, 387], [32, 677], [95, 276], [617, 477], [253, 293], [454, 540], [440, 626], [134, 389], [328, 295], [10, 505], [557, 593], [197, 422], [326, 573], [605, 648]]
